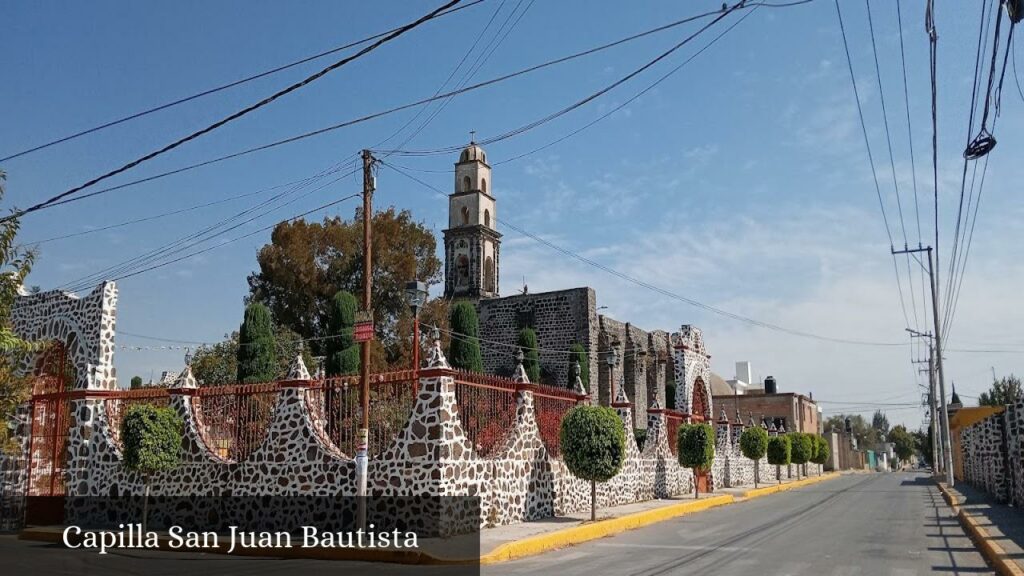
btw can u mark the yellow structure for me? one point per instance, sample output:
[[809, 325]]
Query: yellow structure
[[963, 418]]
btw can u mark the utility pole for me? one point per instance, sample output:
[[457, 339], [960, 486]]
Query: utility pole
[[362, 440], [948, 454], [937, 459]]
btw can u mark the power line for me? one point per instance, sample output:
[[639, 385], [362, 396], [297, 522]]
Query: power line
[[217, 89], [240, 113], [395, 109], [658, 289], [871, 159]]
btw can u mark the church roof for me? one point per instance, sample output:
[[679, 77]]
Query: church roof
[[472, 153]]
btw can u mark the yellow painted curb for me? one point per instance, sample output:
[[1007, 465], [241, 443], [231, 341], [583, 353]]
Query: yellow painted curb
[[992, 551], [758, 492], [591, 531]]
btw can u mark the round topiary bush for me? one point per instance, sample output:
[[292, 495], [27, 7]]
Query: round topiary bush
[[802, 449], [754, 445], [779, 448], [824, 451], [593, 443], [696, 448], [152, 443]]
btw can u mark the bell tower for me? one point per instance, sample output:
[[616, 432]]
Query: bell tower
[[471, 243]]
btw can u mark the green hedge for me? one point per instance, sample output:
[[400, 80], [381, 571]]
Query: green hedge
[[152, 438], [754, 442], [802, 447], [593, 442], [823, 452], [464, 351]]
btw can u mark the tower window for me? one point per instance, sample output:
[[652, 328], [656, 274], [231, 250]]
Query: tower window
[[483, 185], [465, 215], [489, 274], [467, 184], [487, 218]]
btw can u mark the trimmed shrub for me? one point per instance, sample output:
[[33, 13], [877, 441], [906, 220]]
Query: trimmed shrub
[[824, 451], [464, 351], [593, 443], [779, 448], [578, 354], [696, 448], [802, 449], [341, 349], [257, 348], [136, 382], [531, 358], [640, 435], [754, 445], [152, 443]]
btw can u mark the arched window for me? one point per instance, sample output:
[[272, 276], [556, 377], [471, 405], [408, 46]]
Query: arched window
[[489, 274], [465, 215], [487, 218], [467, 184], [483, 185]]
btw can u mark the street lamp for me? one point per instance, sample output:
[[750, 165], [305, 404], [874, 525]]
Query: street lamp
[[612, 358], [415, 296]]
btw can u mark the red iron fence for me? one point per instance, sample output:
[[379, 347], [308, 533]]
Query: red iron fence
[[487, 409], [337, 405], [117, 405], [233, 420], [550, 405]]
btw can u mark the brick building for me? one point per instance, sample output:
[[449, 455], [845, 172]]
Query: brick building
[[794, 411]]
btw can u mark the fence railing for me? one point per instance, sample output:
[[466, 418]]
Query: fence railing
[[117, 405], [487, 409], [336, 404], [233, 420], [550, 405]]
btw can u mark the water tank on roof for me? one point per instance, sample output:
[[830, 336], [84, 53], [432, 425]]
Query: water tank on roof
[[769, 385]]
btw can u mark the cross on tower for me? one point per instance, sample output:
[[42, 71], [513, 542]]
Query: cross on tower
[[472, 136]]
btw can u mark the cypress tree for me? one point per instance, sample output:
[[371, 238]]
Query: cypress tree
[[464, 351], [257, 355], [578, 354], [341, 349], [531, 361]]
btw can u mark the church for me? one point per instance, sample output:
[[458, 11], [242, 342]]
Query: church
[[561, 318]]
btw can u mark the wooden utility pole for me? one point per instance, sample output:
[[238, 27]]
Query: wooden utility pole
[[362, 440]]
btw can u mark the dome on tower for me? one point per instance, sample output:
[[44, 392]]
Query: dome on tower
[[472, 153]]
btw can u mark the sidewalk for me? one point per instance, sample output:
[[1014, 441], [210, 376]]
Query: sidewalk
[[518, 540], [997, 529]]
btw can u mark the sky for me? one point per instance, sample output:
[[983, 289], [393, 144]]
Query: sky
[[741, 181]]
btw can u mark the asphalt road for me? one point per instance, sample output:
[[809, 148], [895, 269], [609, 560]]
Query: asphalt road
[[874, 525]]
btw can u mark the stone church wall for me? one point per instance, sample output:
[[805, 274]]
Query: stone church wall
[[560, 319], [993, 454]]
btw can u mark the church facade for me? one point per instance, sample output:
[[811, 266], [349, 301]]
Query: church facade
[[561, 318]]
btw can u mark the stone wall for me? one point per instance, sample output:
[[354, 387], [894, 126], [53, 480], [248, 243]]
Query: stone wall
[[992, 452], [560, 319]]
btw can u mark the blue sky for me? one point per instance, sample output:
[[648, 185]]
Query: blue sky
[[742, 181]]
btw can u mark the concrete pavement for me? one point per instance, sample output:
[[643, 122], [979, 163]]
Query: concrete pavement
[[872, 525]]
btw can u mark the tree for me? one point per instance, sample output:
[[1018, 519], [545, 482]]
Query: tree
[[593, 444], [923, 441], [822, 451], [306, 263], [866, 436], [754, 445], [696, 448], [1006, 390], [779, 452], [531, 362], [15, 265], [136, 382], [341, 349], [152, 444], [880, 422], [577, 354], [904, 443], [802, 449], [257, 354], [464, 351]]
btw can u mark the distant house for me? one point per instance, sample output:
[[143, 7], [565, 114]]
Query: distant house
[[790, 410]]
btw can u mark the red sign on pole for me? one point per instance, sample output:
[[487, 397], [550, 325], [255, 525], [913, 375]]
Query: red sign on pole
[[363, 331]]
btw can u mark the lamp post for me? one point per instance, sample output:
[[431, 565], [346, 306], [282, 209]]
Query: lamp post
[[415, 296], [612, 358]]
